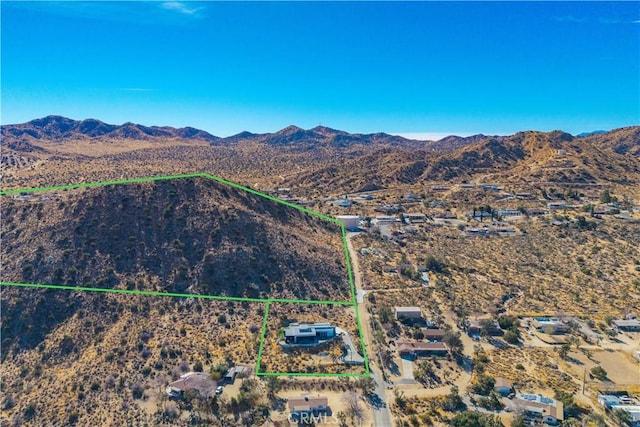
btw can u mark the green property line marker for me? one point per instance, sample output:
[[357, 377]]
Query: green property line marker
[[263, 335], [362, 346], [353, 300], [171, 294], [130, 292], [308, 374], [263, 339], [170, 177], [99, 183]]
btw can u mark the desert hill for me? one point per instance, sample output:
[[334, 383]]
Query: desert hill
[[188, 236], [56, 128], [525, 156], [194, 236], [56, 150]]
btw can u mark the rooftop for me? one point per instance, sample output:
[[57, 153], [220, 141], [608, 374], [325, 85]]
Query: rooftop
[[307, 403], [408, 309], [200, 381], [631, 323], [540, 404], [409, 346], [306, 329]]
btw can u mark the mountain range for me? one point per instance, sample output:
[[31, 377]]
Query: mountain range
[[58, 128], [326, 159]]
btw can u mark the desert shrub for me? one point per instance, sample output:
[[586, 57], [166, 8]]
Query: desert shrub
[[137, 390], [599, 373]]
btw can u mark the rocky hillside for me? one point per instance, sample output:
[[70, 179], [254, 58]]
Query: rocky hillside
[[525, 156], [187, 236]]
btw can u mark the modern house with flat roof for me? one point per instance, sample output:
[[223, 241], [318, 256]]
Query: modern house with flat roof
[[309, 333]]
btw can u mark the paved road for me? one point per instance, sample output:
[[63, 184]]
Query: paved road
[[380, 408]]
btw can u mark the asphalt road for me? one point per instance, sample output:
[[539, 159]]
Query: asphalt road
[[379, 405]]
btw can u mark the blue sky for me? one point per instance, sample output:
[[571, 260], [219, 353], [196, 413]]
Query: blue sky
[[416, 68]]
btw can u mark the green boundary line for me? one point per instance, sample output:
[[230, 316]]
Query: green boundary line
[[353, 296], [263, 335], [166, 178], [309, 374], [267, 301], [170, 294]]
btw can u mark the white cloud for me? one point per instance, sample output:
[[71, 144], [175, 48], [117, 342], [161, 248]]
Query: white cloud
[[180, 7], [570, 18], [136, 89]]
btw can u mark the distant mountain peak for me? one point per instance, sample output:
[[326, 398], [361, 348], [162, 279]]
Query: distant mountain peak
[[58, 128], [594, 132], [290, 129]]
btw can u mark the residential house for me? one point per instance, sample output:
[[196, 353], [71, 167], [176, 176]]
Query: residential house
[[385, 219], [503, 386], [309, 333], [537, 212], [490, 187], [408, 313], [479, 214], [414, 218], [389, 269], [622, 402], [556, 205], [433, 334], [508, 212], [201, 382], [308, 405], [420, 349], [474, 231], [627, 325], [242, 371], [550, 326], [539, 408], [484, 327]]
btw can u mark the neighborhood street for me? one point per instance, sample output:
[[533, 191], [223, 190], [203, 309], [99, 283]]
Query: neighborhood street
[[381, 412]]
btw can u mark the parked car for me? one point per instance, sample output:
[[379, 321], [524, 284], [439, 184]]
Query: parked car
[[219, 389]]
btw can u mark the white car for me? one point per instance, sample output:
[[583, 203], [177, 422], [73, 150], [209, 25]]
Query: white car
[[219, 389]]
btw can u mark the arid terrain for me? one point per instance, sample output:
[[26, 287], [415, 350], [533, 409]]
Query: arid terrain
[[506, 230]]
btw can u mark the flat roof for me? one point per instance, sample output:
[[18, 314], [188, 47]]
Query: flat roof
[[403, 346], [408, 309], [631, 322], [307, 403]]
